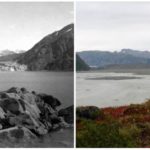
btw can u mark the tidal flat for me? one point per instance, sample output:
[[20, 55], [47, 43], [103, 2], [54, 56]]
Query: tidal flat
[[112, 88]]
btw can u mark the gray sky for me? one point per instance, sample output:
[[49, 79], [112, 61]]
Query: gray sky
[[112, 25], [23, 24]]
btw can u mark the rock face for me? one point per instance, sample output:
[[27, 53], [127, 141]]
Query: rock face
[[27, 114], [53, 52]]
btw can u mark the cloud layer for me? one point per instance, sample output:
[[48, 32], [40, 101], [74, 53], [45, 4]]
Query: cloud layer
[[113, 25]]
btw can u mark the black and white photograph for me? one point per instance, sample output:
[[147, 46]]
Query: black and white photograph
[[36, 74]]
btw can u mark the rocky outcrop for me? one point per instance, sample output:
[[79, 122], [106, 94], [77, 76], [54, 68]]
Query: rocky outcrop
[[25, 114], [17, 133], [53, 52], [67, 113]]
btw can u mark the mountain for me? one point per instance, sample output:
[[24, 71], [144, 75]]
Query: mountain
[[6, 52], [106, 58], [53, 52], [9, 56], [136, 53], [80, 64]]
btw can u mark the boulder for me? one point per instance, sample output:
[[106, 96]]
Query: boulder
[[13, 95], [22, 120], [67, 113], [25, 114], [52, 101], [3, 95], [14, 90], [16, 133], [31, 105], [24, 90], [10, 104], [2, 113]]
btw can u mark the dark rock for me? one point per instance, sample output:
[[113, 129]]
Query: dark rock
[[33, 92], [16, 133], [10, 104], [14, 90], [55, 119], [67, 113], [52, 101], [3, 95], [24, 90]]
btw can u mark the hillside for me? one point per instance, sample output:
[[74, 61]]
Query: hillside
[[53, 52], [80, 64], [106, 58]]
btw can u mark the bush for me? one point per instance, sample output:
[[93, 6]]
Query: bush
[[103, 135], [89, 112]]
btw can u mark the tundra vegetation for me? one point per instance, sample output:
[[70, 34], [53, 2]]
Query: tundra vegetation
[[124, 126]]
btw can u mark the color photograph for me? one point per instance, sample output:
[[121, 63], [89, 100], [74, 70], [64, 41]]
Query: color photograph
[[113, 74]]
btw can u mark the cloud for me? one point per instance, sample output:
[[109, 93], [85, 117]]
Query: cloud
[[13, 26], [113, 25]]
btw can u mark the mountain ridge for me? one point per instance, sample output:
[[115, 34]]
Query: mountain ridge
[[123, 57], [53, 52]]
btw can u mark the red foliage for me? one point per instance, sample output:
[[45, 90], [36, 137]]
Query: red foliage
[[115, 112]]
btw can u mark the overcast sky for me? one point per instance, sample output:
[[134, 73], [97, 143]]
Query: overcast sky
[[24, 24], [112, 25]]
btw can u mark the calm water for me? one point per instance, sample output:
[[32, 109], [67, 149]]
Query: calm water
[[58, 84], [111, 89]]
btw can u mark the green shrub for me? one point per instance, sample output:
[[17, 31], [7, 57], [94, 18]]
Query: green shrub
[[103, 135], [89, 112]]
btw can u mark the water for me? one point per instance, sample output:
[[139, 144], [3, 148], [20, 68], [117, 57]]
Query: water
[[58, 84], [111, 89], [55, 139]]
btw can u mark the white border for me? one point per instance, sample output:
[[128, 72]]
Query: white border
[[75, 74]]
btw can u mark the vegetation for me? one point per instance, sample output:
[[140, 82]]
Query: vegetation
[[126, 126], [80, 64]]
